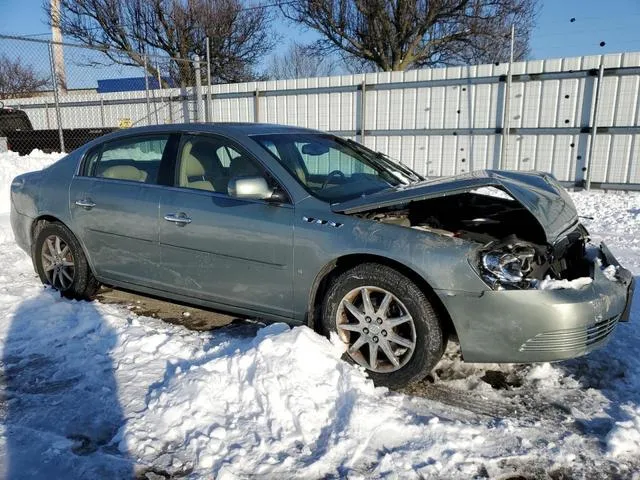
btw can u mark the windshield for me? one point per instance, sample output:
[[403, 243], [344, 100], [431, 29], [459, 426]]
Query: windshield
[[334, 169]]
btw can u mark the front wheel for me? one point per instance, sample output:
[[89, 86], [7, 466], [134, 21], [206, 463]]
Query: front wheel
[[61, 263], [387, 323]]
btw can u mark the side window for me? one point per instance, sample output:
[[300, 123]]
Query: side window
[[133, 159], [208, 163]]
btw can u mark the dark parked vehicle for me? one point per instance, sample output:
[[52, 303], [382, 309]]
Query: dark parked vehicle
[[16, 127], [290, 224]]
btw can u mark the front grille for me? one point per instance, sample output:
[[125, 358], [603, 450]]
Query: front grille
[[571, 338]]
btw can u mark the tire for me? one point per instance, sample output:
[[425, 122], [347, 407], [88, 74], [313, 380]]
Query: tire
[[63, 265], [380, 331]]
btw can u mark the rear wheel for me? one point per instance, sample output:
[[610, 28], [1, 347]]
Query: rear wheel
[[61, 263], [387, 323]]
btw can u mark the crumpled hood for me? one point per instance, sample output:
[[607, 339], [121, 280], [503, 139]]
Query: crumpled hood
[[538, 192]]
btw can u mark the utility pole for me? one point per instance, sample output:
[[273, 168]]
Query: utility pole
[[507, 105], [209, 98], [594, 123], [58, 53]]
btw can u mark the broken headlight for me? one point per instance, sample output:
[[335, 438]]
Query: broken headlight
[[503, 266], [509, 264]]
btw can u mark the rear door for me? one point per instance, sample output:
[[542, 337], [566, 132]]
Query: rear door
[[114, 205], [232, 251]]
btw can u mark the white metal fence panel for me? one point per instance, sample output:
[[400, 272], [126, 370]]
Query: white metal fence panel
[[438, 121]]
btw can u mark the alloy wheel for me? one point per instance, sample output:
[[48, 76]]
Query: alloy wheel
[[377, 327], [58, 262]]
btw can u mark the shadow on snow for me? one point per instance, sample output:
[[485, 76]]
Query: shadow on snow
[[60, 393]]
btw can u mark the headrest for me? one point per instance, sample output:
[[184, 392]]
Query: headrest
[[125, 172], [192, 167]]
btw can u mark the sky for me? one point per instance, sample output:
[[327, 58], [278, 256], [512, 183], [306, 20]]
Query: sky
[[614, 22]]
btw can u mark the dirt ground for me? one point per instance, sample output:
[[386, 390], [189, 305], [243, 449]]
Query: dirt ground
[[191, 317]]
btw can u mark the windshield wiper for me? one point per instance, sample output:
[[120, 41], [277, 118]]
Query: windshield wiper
[[399, 166]]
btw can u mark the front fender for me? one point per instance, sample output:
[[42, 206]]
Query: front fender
[[442, 262]]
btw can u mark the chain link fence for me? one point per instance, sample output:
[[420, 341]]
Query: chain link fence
[[578, 118], [70, 94]]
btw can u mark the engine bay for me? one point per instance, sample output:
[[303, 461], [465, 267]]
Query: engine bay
[[514, 252]]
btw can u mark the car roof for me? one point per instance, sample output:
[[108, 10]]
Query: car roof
[[233, 128]]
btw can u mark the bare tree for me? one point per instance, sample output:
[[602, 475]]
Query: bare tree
[[127, 30], [18, 80], [300, 61], [403, 34]]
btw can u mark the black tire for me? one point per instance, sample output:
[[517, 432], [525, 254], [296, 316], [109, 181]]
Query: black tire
[[430, 338], [84, 285]]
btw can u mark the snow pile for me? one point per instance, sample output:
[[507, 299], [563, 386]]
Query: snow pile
[[96, 389], [267, 400], [624, 439], [12, 165]]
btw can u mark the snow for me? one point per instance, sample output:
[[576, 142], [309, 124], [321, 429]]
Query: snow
[[92, 390], [13, 165], [610, 272], [552, 284]]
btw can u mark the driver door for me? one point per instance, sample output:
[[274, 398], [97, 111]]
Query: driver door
[[213, 246]]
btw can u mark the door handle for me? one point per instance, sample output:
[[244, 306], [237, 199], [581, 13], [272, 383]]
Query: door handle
[[179, 219], [85, 203]]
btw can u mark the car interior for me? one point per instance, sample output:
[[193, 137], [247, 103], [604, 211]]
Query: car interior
[[208, 164], [127, 169], [137, 162], [203, 164], [328, 169]]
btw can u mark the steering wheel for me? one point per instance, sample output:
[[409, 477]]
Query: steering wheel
[[334, 173]]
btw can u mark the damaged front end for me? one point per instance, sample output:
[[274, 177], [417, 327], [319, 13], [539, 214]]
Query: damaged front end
[[550, 294], [525, 225], [513, 252]]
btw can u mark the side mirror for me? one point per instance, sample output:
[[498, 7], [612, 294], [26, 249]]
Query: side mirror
[[253, 188]]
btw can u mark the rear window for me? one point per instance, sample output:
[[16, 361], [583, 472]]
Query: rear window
[[132, 159]]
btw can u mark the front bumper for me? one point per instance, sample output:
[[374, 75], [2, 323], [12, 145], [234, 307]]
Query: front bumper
[[523, 326]]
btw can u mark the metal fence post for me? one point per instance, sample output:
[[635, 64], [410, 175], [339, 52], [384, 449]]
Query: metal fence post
[[155, 106], [102, 112], [198, 101], [209, 98], [55, 97], [363, 110], [146, 88], [160, 91], [256, 106], [594, 125]]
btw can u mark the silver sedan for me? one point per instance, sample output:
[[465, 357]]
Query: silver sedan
[[295, 225]]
